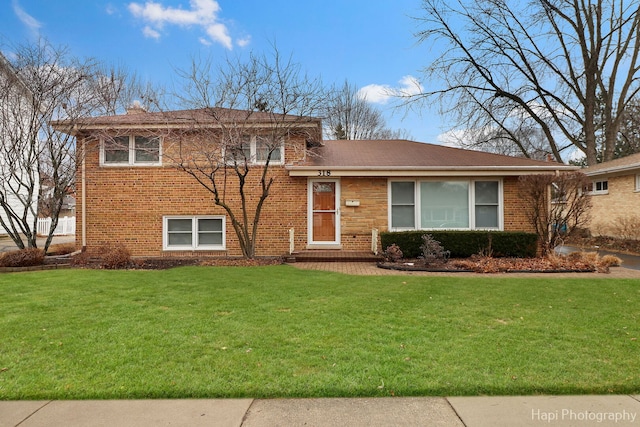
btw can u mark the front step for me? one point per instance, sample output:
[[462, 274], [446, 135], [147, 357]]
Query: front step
[[320, 255]]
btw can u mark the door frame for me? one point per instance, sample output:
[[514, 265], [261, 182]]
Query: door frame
[[323, 245]]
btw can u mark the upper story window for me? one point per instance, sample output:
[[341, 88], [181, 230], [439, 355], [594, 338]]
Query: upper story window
[[599, 187], [256, 150], [131, 150]]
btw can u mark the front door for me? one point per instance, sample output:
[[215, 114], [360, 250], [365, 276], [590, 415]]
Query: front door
[[324, 204]]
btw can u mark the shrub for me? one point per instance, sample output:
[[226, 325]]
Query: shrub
[[22, 258], [432, 250], [627, 227], [115, 257], [463, 244], [393, 253], [610, 261], [61, 249]]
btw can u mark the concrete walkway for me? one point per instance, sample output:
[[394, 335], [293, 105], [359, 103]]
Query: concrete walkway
[[524, 411]]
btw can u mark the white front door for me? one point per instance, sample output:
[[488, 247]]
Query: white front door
[[324, 212]]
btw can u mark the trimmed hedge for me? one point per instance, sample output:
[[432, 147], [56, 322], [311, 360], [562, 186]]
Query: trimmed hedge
[[463, 244]]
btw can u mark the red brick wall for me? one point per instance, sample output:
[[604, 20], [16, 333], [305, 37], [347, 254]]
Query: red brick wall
[[127, 204]]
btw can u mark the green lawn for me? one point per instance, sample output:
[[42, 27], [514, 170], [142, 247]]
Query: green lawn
[[281, 332]]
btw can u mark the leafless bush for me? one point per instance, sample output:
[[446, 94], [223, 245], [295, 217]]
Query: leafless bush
[[393, 253], [22, 258], [555, 205], [115, 257], [627, 227], [432, 250]]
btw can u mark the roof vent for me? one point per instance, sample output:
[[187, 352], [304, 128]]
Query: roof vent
[[136, 108]]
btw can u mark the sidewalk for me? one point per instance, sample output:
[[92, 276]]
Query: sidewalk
[[620, 410]]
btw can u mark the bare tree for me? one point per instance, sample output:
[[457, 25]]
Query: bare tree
[[556, 204], [50, 86], [629, 136], [542, 64], [349, 115], [531, 142], [246, 115]]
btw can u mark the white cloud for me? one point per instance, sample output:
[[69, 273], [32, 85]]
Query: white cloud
[[28, 20], [381, 94], [110, 9], [244, 41], [452, 138], [150, 32], [202, 13]]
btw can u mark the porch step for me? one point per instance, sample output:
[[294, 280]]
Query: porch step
[[321, 255]]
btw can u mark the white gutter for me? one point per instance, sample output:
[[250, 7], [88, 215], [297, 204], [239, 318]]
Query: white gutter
[[428, 171], [626, 168]]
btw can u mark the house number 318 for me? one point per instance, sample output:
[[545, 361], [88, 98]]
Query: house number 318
[[324, 173]]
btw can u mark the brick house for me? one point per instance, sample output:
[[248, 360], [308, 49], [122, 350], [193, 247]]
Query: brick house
[[615, 197], [326, 194]]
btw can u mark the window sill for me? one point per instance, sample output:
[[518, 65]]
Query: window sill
[[130, 165], [185, 249]]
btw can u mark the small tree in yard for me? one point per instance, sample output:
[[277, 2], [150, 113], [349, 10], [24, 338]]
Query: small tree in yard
[[555, 204], [249, 113]]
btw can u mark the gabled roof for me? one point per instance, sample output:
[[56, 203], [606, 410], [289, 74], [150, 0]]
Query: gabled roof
[[138, 118], [402, 157], [621, 165], [7, 69]]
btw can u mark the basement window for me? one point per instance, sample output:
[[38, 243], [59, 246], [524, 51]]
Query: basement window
[[190, 233]]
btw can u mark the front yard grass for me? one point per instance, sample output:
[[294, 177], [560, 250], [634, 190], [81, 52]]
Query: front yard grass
[[277, 331]]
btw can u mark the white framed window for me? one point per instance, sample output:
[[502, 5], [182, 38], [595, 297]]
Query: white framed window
[[190, 233], [446, 205], [403, 205], [599, 187], [638, 182], [129, 150], [255, 150]]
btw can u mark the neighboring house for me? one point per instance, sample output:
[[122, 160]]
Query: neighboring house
[[15, 112], [615, 197], [329, 194]]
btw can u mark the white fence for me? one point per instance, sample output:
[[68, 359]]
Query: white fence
[[66, 226]]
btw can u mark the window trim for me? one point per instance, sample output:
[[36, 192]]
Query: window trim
[[595, 183], [131, 161], [471, 205], [637, 186], [194, 234], [253, 153]]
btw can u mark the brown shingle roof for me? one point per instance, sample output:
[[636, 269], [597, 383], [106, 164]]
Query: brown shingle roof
[[393, 154], [202, 116], [617, 165]]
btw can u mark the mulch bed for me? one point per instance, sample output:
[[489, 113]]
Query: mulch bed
[[477, 264], [165, 263]]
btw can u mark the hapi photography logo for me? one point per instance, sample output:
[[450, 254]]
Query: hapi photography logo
[[571, 415]]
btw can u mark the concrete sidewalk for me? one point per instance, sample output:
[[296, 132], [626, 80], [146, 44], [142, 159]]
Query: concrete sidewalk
[[620, 410]]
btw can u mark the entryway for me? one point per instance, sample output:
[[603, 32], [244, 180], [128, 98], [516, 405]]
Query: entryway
[[324, 214]]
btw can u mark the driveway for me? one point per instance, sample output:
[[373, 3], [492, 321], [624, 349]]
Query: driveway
[[628, 260], [6, 244]]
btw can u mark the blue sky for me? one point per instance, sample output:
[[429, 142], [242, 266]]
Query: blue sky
[[370, 43]]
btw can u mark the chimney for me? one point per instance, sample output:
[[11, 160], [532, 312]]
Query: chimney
[[136, 108]]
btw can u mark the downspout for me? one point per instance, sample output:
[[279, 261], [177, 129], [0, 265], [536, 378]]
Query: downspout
[[84, 196]]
